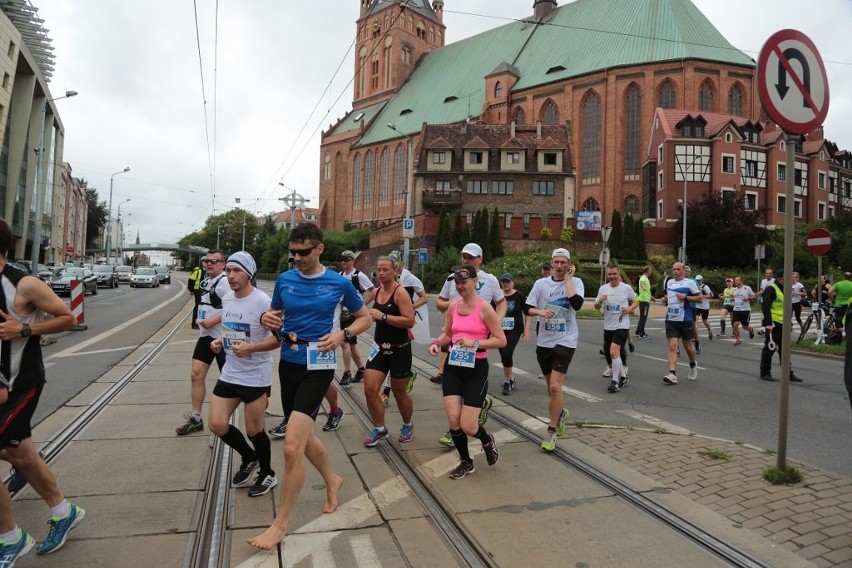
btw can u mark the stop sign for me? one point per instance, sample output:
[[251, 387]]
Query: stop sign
[[819, 242]]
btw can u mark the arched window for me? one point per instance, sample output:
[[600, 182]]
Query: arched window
[[705, 96], [369, 178], [384, 178], [591, 204], [327, 167], [400, 167], [498, 90], [591, 165], [550, 113], [632, 131], [519, 116], [362, 72], [666, 97], [631, 206], [356, 182], [735, 100]]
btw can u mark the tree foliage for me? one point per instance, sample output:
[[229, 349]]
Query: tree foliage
[[496, 233], [97, 216], [445, 236], [461, 235], [616, 237], [628, 247], [480, 234], [639, 240]]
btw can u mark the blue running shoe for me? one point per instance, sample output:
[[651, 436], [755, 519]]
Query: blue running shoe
[[11, 551], [59, 529]]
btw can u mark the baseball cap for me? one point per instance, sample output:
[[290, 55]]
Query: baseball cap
[[779, 272], [347, 254], [547, 266], [507, 276], [699, 277], [464, 272], [561, 252], [472, 249]]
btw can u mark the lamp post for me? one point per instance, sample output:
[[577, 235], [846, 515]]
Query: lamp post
[[682, 168], [40, 185], [408, 188], [109, 215], [237, 201], [218, 230], [120, 228]]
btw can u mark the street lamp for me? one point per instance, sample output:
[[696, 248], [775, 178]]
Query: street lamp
[[218, 230], [109, 215], [406, 245], [120, 227], [237, 200], [682, 167], [40, 189]]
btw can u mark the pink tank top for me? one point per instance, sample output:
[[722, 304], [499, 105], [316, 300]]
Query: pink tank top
[[470, 326]]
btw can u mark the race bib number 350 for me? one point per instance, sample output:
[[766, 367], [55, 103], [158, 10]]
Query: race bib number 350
[[318, 361], [463, 357]]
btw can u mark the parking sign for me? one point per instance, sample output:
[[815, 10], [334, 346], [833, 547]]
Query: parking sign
[[408, 228]]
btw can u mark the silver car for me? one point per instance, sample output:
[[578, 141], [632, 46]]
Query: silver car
[[60, 282], [124, 274], [145, 277]]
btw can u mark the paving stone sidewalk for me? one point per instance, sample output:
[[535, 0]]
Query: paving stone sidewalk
[[812, 519]]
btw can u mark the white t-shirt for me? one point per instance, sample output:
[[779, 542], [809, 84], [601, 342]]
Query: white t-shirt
[[205, 310], [705, 303], [797, 287], [680, 310], [363, 280], [617, 297], [561, 329], [409, 280], [488, 288], [742, 298], [241, 322]]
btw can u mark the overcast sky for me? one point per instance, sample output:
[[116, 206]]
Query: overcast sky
[[141, 103]]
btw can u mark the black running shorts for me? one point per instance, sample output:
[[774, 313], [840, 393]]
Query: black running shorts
[[302, 390], [16, 414], [204, 354]]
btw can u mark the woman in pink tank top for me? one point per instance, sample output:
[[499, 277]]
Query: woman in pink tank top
[[471, 327]]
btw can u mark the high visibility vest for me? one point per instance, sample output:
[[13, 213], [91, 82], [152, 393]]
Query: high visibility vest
[[196, 277], [777, 308]]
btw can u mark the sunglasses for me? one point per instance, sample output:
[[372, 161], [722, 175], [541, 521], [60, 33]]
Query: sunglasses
[[302, 252], [212, 261], [345, 259]]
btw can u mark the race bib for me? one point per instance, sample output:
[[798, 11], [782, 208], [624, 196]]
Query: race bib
[[674, 312], [555, 325], [373, 352], [229, 336], [463, 357], [613, 308], [318, 361], [202, 313], [728, 302], [507, 324]]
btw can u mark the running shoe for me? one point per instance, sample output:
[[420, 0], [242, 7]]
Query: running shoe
[[751, 333], [513, 384], [375, 437], [613, 387], [411, 378], [721, 334], [607, 372], [406, 433], [11, 551], [333, 422], [279, 431], [645, 336], [630, 345], [16, 482], [795, 378], [624, 372], [693, 373], [437, 379], [767, 377], [622, 382], [507, 389], [244, 473], [710, 334], [465, 467], [190, 426], [359, 375], [447, 440], [560, 424], [491, 452], [59, 529], [738, 342], [263, 485], [345, 379], [486, 406], [385, 399], [549, 442], [670, 379]]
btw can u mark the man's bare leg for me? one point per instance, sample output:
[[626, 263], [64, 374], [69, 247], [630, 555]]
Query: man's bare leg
[[26, 459]]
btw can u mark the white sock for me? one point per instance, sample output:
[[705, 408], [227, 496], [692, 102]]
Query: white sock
[[196, 417], [12, 536], [616, 368], [61, 510]]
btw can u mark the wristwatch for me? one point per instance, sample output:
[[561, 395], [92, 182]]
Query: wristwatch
[[25, 330], [384, 317], [476, 344], [347, 335]]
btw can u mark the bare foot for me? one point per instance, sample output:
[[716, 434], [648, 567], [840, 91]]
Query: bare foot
[[272, 536], [331, 494]]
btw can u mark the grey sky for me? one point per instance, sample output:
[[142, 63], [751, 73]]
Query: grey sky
[[136, 67]]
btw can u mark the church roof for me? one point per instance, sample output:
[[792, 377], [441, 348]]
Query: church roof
[[583, 37], [422, 7], [352, 120]]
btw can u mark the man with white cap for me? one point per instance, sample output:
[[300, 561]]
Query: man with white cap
[[556, 299], [701, 309], [246, 376]]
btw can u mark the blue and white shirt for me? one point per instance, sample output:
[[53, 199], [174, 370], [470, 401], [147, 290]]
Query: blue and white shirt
[[680, 310]]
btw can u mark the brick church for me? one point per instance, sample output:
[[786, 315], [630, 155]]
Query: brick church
[[559, 119]]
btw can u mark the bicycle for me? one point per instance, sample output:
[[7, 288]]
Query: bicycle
[[831, 323]]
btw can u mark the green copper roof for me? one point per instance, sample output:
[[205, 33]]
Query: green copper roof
[[352, 121], [582, 37]]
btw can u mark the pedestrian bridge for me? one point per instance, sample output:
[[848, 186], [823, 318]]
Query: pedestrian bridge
[[143, 247]]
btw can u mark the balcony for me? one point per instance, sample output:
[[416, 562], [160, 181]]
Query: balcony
[[442, 197]]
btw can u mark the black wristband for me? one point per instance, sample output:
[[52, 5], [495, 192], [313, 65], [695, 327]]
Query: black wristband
[[261, 317]]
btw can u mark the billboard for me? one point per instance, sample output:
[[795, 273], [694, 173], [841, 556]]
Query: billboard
[[589, 220]]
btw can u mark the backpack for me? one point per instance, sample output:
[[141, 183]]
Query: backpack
[[834, 337], [215, 300], [356, 282]]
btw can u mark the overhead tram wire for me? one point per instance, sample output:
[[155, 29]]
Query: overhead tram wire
[[204, 100], [215, 96]]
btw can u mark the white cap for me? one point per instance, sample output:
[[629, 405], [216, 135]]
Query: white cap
[[561, 252], [699, 277], [472, 249]]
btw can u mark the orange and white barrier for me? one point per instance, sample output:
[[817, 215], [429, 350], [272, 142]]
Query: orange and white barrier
[[77, 308]]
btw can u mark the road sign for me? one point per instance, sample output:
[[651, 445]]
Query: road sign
[[407, 228], [424, 257], [759, 252], [604, 257], [792, 82], [819, 242]]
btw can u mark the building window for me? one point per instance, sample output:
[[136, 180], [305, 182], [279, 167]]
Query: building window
[[550, 158], [6, 79], [632, 131], [498, 90], [543, 187], [705, 96], [550, 113], [469, 219], [503, 187], [326, 168], [374, 72], [735, 100], [507, 220], [727, 164], [520, 117], [821, 211], [406, 55], [513, 158], [631, 206], [750, 201], [797, 208], [475, 157], [799, 179], [356, 182], [477, 186], [782, 204], [660, 178], [439, 157], [728, 137], [400, 170], [666, 95], [821, 180], [592, 139], [782, 172], [686, 130], [442, 186], [831, 212], [832, 181], [660, 209], [660, 154], [750, 168], [11, 50], [384, 178], [369, 177], [527, 217]]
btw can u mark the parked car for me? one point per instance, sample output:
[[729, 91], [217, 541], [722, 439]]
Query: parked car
[[124, 273], [145, 276], [44, 273], [107, 276], [60, 282], [164, 274]]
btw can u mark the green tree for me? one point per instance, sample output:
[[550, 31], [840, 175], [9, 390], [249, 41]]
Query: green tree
[[480, 233], [628, 248], [496, 232], [460, 233], [567, 235], [639, 240], [616, 237], [97, 216], [444, 239]]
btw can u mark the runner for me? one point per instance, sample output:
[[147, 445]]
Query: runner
[[743, 297], [303, 306], [644, 302], [618, 301], [680, 291], [471, 327], [727, 297], [798, 296], [701, 310], [365, 287], [556, 299], [513, 327]]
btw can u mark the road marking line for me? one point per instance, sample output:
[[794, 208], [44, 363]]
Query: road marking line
[[63, 354], [699, 367], [581, 395], [515, 370], [655, 422], [363, 551]]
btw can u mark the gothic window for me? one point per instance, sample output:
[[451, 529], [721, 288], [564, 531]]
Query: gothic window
[[631, 206], [632, 132], [362, 72], [550, 113], [666, 95], [592, 139], [735, 100], [356, 182], [387, 65], [591, 204], [520, 117], [384, 178], [498, 90], [374, 72], [327, 168], [369, 178], [705, 96], [400, 167]]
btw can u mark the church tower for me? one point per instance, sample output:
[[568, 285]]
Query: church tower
[[392, 35]]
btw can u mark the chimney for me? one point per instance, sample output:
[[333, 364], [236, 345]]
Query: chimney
[[438, 6], [543, 8]]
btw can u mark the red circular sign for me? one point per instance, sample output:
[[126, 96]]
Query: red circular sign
[[792, 82], [819, 242]]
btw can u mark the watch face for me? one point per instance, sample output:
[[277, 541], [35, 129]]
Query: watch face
[[26, 331]]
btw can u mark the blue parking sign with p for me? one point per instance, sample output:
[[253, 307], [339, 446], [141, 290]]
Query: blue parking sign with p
[[408, 228]]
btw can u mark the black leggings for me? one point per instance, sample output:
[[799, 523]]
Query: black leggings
[[512, 338]]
